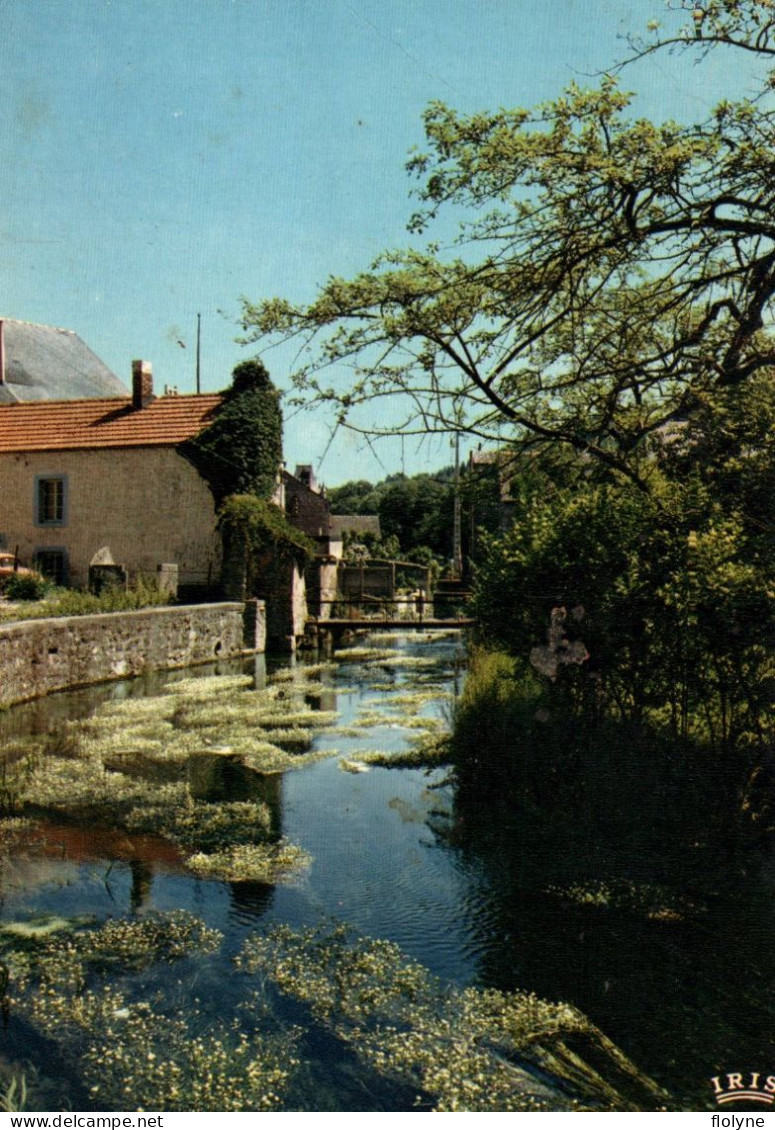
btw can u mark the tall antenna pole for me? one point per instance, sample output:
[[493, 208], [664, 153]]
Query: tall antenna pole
[[457, 543], [198, 354]]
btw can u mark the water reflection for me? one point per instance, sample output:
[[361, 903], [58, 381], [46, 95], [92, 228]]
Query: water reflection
[[679, 975]]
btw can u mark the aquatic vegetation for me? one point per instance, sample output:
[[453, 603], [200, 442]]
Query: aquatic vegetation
[[115, 768], [370, 718], [145, 941], [426, 753], [203, 686], [351, 765], [651, 899], [365, 654], [128, 1054], [130, 710], [157, 1062], [411, 662], [243, 863], [268, 759], [462, 1049], [391, 638], [419, 722], [302, 672], [129, 943], [203, 826], [14, 831], [64, 785], [419, 698], [42, 926], [169, 767]]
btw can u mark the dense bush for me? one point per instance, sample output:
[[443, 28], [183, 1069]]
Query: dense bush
[[26, 586]]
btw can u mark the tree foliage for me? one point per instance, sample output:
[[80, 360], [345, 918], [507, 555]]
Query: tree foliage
[[671, 593], [416, 511]]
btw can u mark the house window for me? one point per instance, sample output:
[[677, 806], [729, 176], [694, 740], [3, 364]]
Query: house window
[[52, 563], [50, 500]]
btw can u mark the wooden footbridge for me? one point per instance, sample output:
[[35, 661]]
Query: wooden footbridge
[[360, 620], [367, 623], [337, 628]]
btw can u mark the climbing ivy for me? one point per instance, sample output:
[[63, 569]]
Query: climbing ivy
[[241, 451], [254, 527]]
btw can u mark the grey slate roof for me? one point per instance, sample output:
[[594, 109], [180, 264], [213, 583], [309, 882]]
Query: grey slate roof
[[45, 363]]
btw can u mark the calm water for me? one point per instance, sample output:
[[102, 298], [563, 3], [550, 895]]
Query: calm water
[[396, 855]]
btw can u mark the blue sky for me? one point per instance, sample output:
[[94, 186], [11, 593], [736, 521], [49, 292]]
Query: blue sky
[[161, 158]]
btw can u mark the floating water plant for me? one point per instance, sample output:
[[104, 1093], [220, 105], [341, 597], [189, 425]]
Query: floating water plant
[[129, 1054], [426, 753], [366, 654], [649, 899], [146, 765], [419, 698], [350, 765], [205, 826], [303, 672]]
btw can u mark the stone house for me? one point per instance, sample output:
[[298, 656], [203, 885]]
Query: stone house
[[47, 363], [493, 472], [85, 474], [307, 507], [356, 525]]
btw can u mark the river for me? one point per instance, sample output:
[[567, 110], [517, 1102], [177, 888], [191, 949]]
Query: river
[[396, 858]]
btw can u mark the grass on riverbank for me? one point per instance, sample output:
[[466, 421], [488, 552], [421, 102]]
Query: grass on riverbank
[[74, 602]]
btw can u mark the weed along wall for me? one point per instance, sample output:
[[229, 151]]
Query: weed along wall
[[39, 656]]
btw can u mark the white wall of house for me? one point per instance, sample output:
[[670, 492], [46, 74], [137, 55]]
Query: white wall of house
[[149, 505]]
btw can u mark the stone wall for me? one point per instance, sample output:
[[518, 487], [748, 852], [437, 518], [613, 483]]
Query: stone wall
[[286, 606], [39, 656]]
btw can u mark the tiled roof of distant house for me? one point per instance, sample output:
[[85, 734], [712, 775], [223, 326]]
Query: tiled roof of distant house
[[46, 363], [85, 424], [355, 523]]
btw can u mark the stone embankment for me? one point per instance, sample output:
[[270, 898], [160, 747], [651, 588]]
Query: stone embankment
[[40, 656]]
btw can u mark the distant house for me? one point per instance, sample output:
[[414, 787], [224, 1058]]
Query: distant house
[[356, 524], [494, 471], [80, 475], [307, 507], [45, 363]]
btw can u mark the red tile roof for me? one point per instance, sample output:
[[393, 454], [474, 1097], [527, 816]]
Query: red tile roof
[[66, 425]]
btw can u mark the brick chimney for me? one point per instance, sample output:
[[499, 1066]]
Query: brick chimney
[[142, 384]]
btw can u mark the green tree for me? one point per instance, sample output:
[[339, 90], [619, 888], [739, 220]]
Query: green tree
[[610, 272], [352, 498]]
